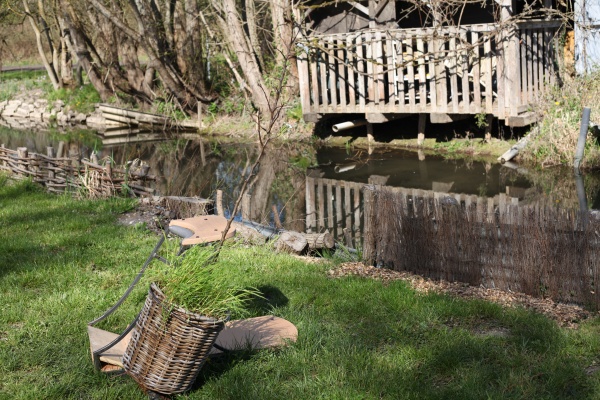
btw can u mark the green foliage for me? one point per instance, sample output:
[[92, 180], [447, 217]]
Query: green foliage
[[561, 109], [169, 109], [481, 120], [82, 99], [295, 111]]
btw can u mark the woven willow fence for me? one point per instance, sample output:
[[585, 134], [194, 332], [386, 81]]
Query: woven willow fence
[[72, 174], [541, 251]]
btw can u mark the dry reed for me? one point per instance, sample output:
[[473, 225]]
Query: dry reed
[[541, 251]]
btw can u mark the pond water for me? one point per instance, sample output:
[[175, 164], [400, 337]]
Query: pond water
[[308, 188], [194, 166]]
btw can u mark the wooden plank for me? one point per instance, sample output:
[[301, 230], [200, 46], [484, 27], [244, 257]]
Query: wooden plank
[[323, 75], [314, 82], [501, 74], [114, 356], [338, 210], [536, 60], [530, 84], [464, 63], [440, 74], [311, 222], [432, 78], [370, 82], [410, 74], [399, 53], [356, 207], [303, 81], [420, 56], [347, 205], [379, 70], [255, 333], [547, 61], [476, 73], [389, 63], [350, 50], [332, 71], [487, 73], [523, 57], [361, 72], [342, 80], [321, 204], [513, 89], [329, 204], [453, 71]]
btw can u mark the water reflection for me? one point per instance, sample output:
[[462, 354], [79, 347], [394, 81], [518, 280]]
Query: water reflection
[[330, 194]]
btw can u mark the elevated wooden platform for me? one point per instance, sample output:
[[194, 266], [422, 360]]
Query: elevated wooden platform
[[252, 333]]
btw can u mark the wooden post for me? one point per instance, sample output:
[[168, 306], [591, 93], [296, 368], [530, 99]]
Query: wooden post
[[348, 238], [49, 165], [422, 125], [310, 204], [2, 153], [246, 207], [74, 156], [488, 128], [108, 169], [220, 203], [22, 153], [370, 137], [61, 149], [512, 70], [369, 242]]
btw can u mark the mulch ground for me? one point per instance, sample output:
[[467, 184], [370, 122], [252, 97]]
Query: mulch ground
[[566, 315]]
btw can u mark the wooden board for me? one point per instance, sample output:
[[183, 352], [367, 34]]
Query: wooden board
[[252, 333], [112, 357], [206, 228], [256, 333]]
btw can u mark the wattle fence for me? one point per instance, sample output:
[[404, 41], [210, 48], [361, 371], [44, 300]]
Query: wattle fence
[[541, 251], [86, 178]]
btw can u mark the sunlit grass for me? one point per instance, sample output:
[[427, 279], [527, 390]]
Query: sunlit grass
[[63, 262]]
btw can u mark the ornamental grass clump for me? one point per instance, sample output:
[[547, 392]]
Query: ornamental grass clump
[[197, 283]]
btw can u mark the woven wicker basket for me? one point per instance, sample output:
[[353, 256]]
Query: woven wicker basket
[[168, 345]]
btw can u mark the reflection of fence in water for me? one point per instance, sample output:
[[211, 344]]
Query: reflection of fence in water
[[538, 250], [336, 205]]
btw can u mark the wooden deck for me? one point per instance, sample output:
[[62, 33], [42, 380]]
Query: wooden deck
[[470, 69]]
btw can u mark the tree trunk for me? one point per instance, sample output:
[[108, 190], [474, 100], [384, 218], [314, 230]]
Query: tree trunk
[[232, 29], [50, 68]]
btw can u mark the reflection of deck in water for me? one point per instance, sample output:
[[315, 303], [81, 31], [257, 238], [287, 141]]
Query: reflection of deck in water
[[336, 205]]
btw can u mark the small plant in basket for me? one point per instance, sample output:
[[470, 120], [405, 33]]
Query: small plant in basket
[[187, 306], [193, 282]]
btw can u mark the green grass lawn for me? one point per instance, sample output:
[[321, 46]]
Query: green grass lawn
[[63, 262]]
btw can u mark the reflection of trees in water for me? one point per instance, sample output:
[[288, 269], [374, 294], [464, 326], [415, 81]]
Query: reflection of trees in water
[[200, 168], [281, 184]]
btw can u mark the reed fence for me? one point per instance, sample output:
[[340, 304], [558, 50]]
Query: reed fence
[[83, 177], [541, 251]]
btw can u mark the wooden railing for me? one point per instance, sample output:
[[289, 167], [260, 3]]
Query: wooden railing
[[469, 69]]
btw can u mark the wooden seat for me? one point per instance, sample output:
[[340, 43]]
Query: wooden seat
[[252, 333], [205, 229]]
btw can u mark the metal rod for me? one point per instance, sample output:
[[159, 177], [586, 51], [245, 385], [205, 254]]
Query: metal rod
[[585, 123]]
